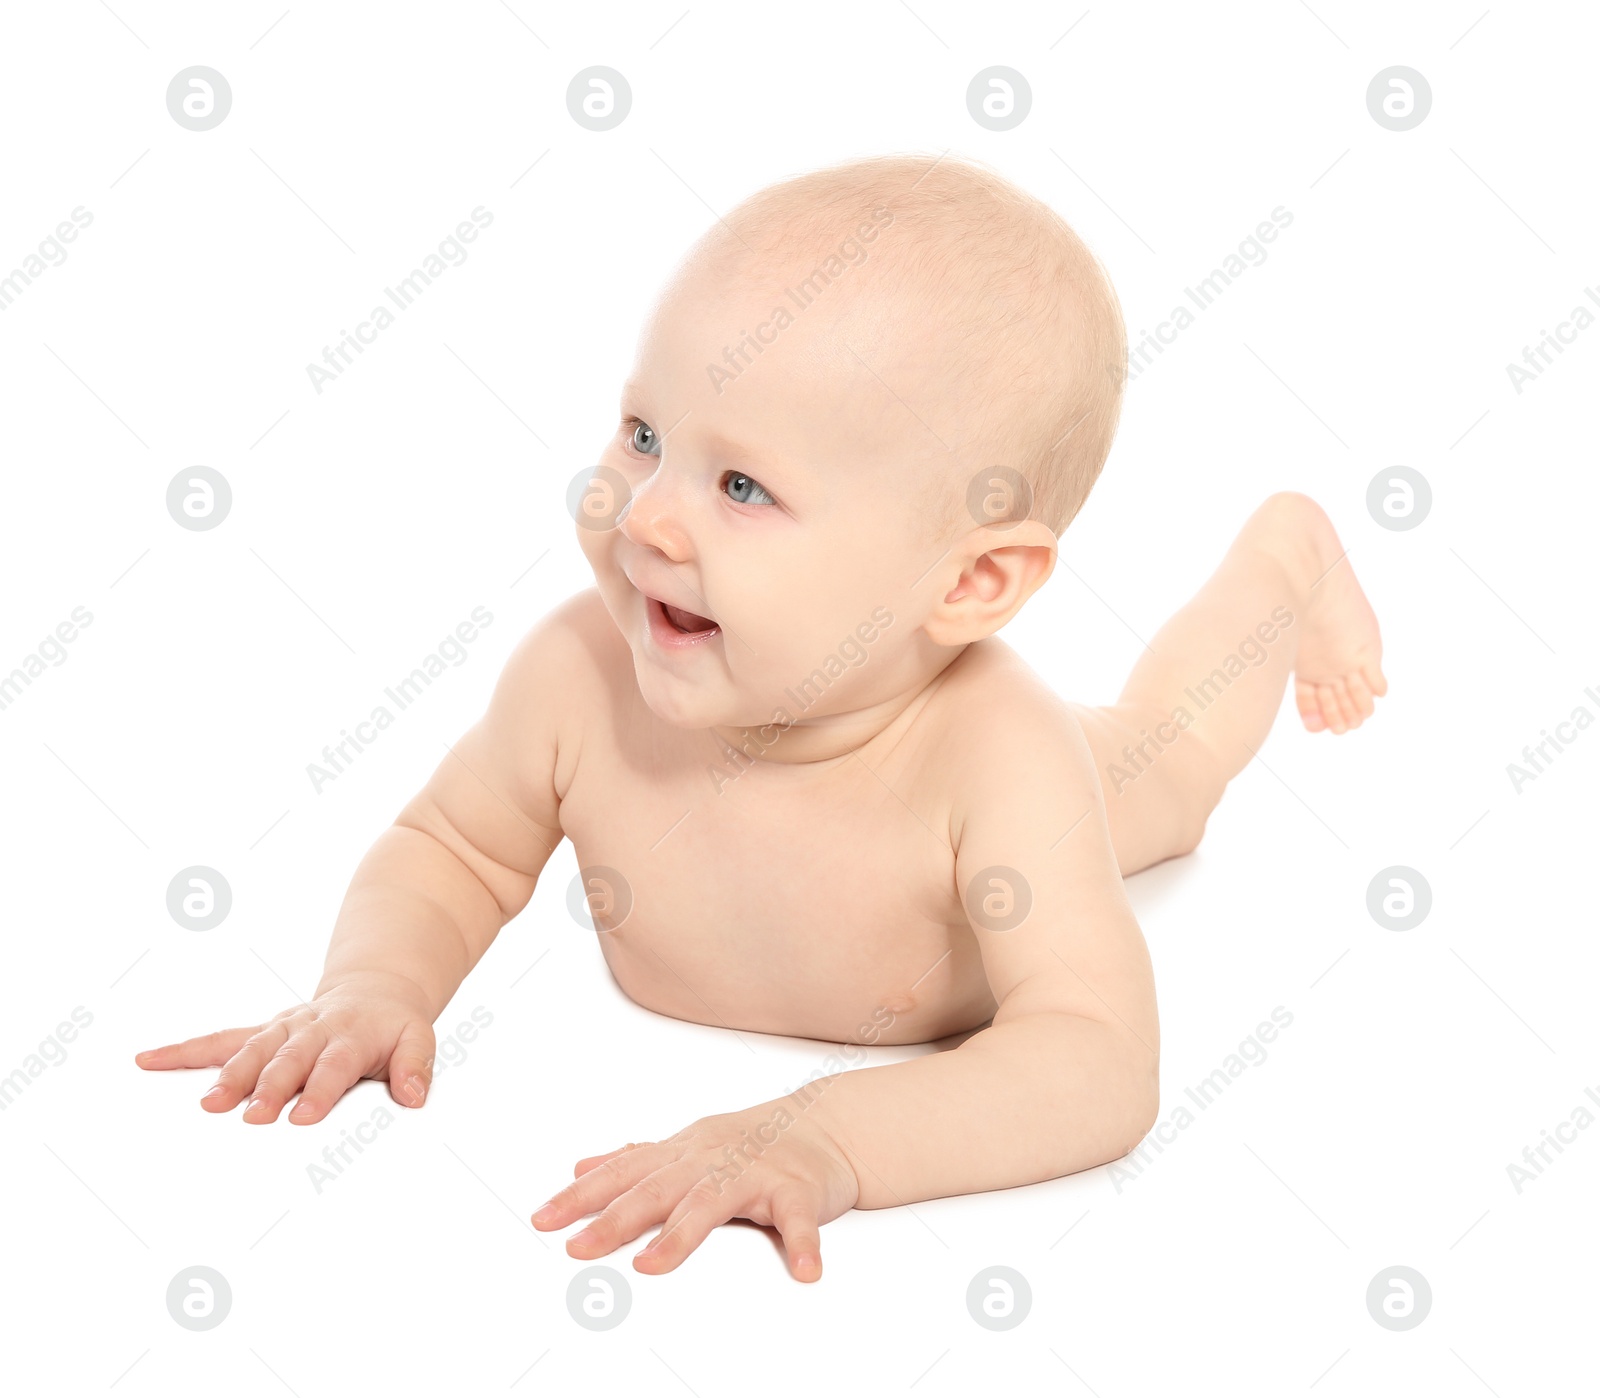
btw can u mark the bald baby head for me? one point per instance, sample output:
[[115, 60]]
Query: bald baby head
[[972, 303]]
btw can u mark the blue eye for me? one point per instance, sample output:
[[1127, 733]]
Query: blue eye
[[645, 441], [746, 491]]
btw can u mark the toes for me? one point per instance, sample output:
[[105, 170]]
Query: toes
[[1327, 710], [1332, 714], [1349, 711], [1360, 696], [1305, 698], [1340, 705]]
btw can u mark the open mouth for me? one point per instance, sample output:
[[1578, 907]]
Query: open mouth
[[678, 626]]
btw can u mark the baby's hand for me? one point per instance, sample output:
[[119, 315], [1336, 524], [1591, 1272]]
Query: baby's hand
[[365, 1026], [766, 1164]]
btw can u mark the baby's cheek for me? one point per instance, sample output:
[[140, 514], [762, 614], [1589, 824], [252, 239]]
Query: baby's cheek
[[595, 548]]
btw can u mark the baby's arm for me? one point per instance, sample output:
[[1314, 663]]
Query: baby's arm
[[1064, 1078], [424, 904], [1066, 1075]]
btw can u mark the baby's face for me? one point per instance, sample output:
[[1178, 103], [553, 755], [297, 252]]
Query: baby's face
[[774, 524]]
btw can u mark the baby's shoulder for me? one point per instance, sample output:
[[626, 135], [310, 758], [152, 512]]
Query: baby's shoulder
[[994, 716], [574, 652], [990, 680]]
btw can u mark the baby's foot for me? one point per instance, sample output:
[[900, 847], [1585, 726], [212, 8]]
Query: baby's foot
[[1337, 669]]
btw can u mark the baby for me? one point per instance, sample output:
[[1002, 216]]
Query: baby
[[811, 793]]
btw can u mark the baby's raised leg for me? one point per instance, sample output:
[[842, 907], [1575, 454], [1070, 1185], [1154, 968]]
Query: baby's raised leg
[[1200, 701]]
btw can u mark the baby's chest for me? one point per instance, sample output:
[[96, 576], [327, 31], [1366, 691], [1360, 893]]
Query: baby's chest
[[789, 906]]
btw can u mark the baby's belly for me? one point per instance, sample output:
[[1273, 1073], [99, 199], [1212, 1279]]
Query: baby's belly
[[867, 975]]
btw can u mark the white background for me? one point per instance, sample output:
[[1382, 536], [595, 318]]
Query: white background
[[369, 520]]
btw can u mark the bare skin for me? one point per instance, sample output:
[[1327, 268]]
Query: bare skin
[[927, 841]]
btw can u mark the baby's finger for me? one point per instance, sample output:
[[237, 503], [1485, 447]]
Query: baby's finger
[[689, 1225], [286, 1073], [627, 1216], [590, 1161], [334, 1073], [241, 1072], [1372, 672], [795, 1217], [411, 1065], [206, 1051], [593, 1191]]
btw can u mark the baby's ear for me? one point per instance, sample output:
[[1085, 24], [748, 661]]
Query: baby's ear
[[999, 569]]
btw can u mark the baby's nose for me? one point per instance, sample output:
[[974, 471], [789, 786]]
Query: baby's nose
[[651, 519]]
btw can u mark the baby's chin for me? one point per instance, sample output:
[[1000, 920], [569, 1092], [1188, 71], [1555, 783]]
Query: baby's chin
[[679, 703], [687, 705]]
